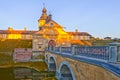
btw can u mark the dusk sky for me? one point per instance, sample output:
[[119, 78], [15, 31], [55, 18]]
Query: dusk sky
[[100, 18]]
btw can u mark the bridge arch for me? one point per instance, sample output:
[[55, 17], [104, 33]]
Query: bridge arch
[[52, 63], [65, 71]]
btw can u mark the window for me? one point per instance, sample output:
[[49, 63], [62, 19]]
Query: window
[[51, 24], [51, 31], [39, 47]]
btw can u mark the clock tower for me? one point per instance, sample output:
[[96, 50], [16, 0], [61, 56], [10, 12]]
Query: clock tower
[[42, 19]]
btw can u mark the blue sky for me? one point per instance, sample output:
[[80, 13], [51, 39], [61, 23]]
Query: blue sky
[[100, 18]]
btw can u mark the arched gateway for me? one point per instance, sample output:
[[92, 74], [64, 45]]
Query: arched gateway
[[51, 44]]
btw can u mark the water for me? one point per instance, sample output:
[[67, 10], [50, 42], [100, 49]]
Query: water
[[23, 74]]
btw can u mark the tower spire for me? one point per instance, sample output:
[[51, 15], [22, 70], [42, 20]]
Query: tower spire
[[44, 12], [43, 17]]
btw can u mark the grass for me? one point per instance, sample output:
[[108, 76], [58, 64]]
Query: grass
[[9, 45], [39, 66], [5, 59], [40, 57], [50, 78], [101, 42]]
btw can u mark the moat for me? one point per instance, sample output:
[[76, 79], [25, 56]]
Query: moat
[[20, 73]]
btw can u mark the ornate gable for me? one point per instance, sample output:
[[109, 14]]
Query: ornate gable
[[52, 23]]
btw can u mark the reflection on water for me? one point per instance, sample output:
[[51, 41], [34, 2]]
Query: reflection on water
[[23, 74]]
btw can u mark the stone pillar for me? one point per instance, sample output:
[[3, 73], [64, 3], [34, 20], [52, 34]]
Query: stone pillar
[[73, 49], [114, 52], [60, 49], [50, 48], [58, 75], [54, 48]]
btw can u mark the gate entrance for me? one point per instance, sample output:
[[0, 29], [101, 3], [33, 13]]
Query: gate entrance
[[51, 44]]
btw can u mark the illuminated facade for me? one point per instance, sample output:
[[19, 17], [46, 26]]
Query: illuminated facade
[[16, 34], [52, 34]]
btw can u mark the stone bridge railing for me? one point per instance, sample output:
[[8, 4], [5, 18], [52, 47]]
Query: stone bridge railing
[[111, 53], [100, 52]]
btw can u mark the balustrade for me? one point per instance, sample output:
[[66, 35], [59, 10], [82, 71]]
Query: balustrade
[[66, 50], [101, 52], [110, 52]]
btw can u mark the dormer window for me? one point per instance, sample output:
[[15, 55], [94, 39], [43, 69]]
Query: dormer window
[[51, 24]]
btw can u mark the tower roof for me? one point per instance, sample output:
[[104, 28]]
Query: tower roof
[[44, 10], [44, 14]]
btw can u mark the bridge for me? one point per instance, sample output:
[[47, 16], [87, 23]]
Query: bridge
[[85, 63]]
